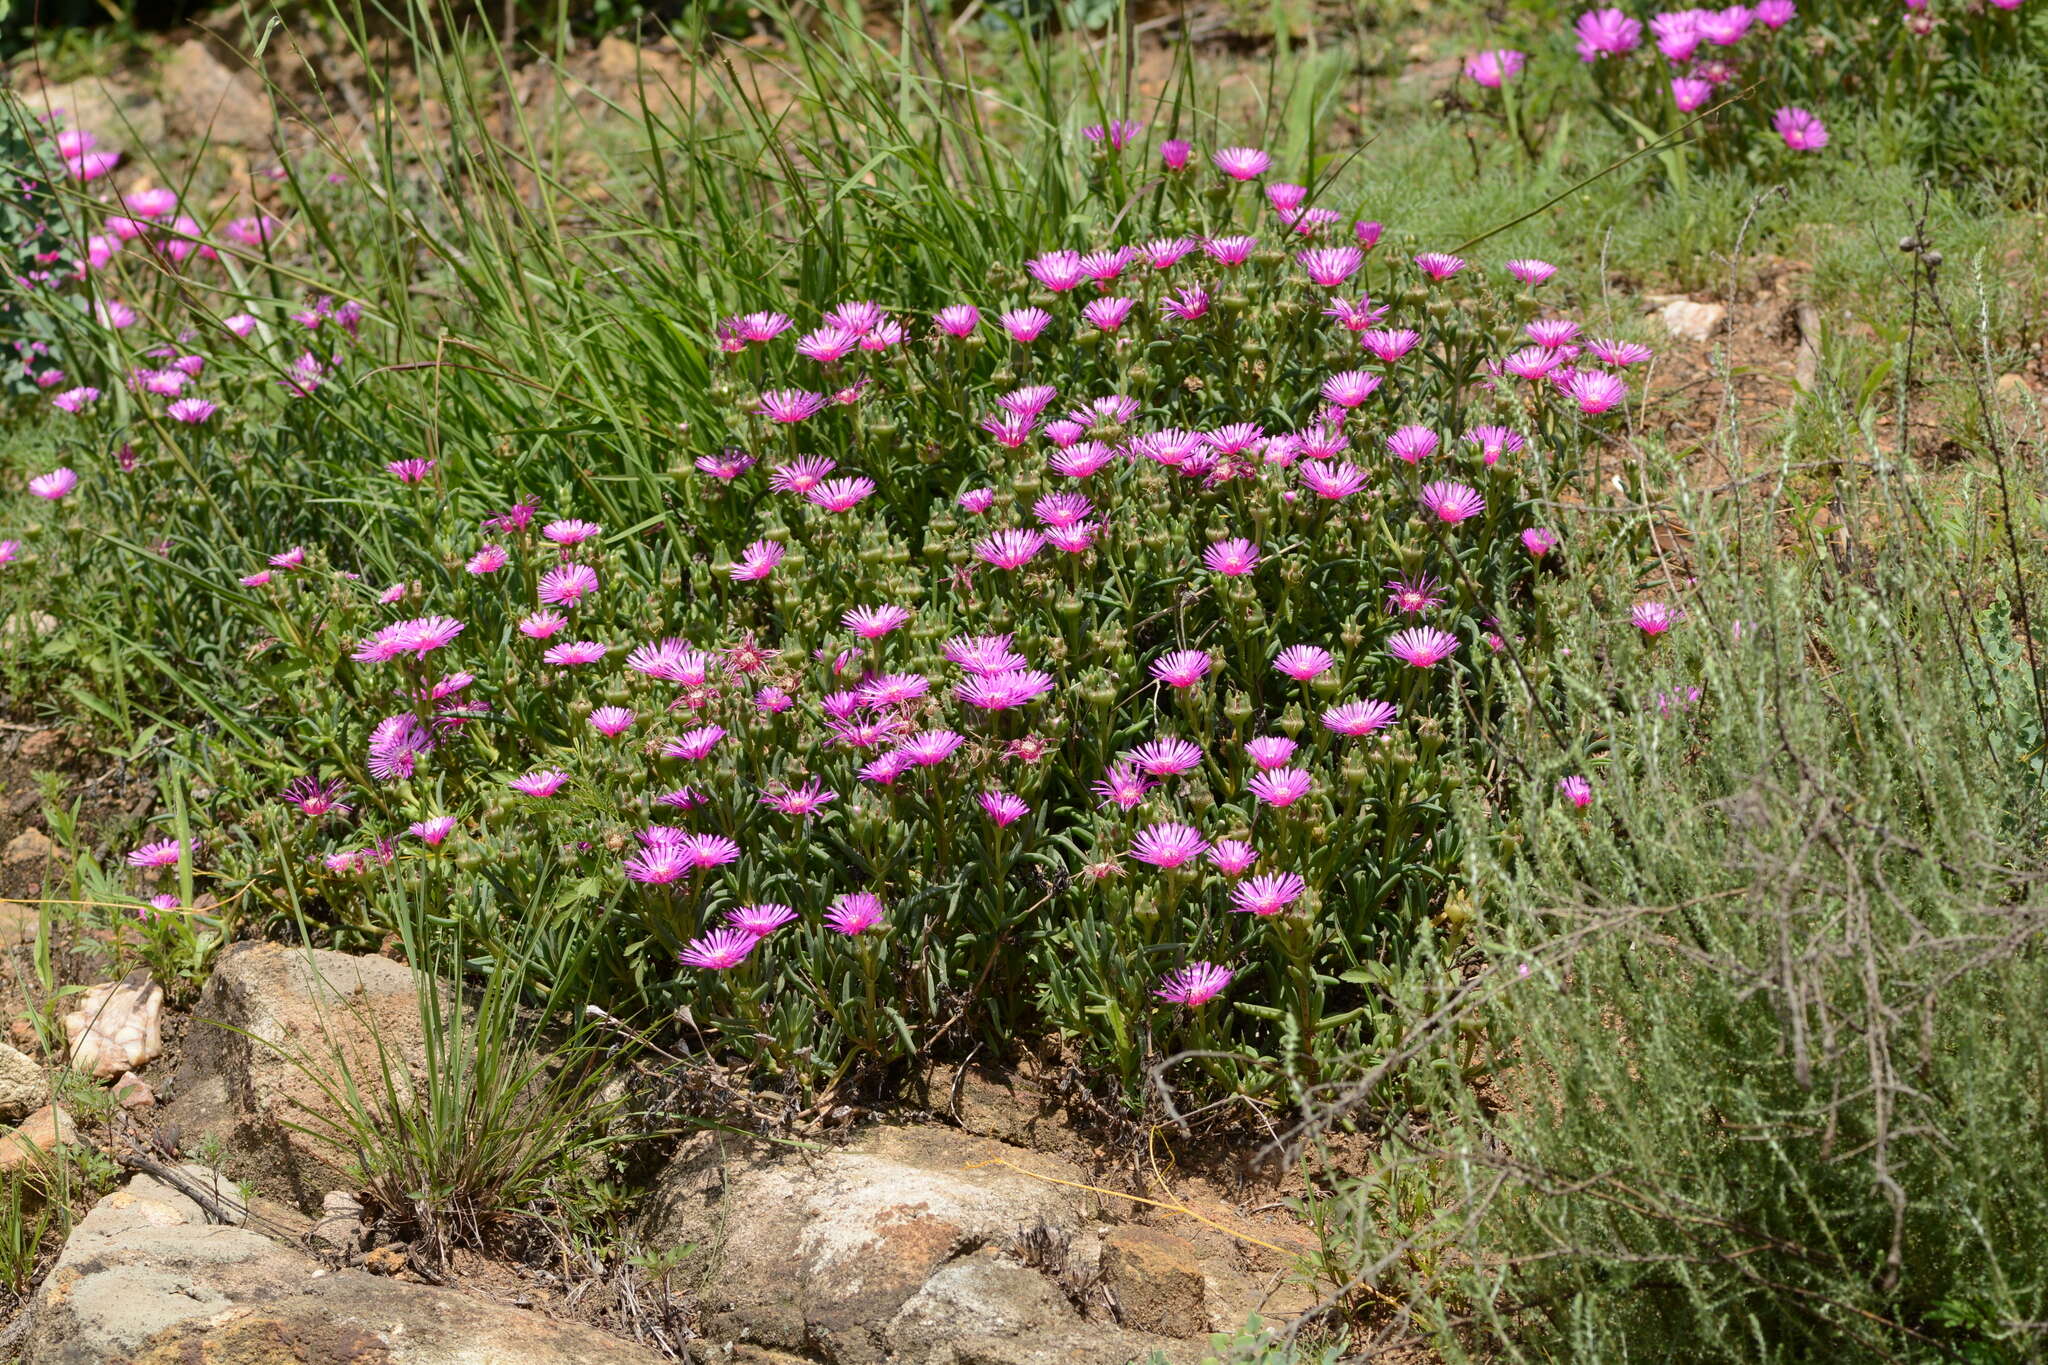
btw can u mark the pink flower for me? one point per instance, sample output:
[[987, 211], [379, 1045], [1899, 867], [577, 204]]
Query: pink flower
[[808, 799], [409, 471], [1230, 250], [1302, 662], [575, 654], [1538, 541], [659, 863], [418, 637], [91, 165], [976, 500], [693, 745], [317, 798], [1009, 549], [1232, 558], [611, 721], [1451, 502], [541, 624], [1194, 985], [1267, 894], [1653, 618], [957, 320], [1024, 324], [1577, 790], [489, 559], [395, 744], [1163, 253], [842, 495], [789, 405], [1531, 271], [55, 484], [1003, 808], [1412, 444], [1332, 479], [1778, 13], [1620, 352], [1439, 265], [1689, 93], [759, 921], [1174, 153], [1188, 304], [1802, 130], [1057, 271], [854, 913], [163, 853], [1286, 198], [719, 950], [76, 400], [1242, 163], [1389, 345], [1108, 314], [1122, 785], [541, 782], [929, 748], [828, 345], [1351, 387], [1596, 391], [1422, 646], [1494, 67], [1165, 757], [1281, 786], [758, 561], [1330, 266], [1532, 362], [1002, 691], [1182, 667], [566, 585], [1359, 717], [432, 832], [871, 623], [1607, 33], [1168, 844], [570, 531], [1232, 857], [1494, 441], [754, 327]]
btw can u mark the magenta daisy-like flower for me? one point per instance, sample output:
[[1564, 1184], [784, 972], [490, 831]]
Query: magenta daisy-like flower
[[418, 637], [708, 850], [1281, 786], [1062, 509], [395, 746], [856, 912], [1689, 93], [1003, 808], [53, 485], [317, 798], [1233, 250], [1596, 391], [1652, 618], [1412, 444], [1232, 558], [1494, 67], [983, 654], [1359, 717], [1025, 324], [957, 320], [1269, 751], [1439, 265], [1607, 33], [1620, 352], [1122, 785], [975, 501], [871, 623], [1330, 266], [789, 405], [191, 411], [162, 853], [1168, 844], [1532, 363], [719, 950], [841, 495], [892, 689], [1422, 646], [808, 799], [541, 625], [489, 559], [1001, 691], [1057, 271], [757, 561], [1232, 857], [1412, 598], [1187, 304], [1494, 442], [727, 464], [1108, 314], [1194, 985], [1117, 133], [1009, 549], [928, 748], [1531, 271], [1081, 459], [1175, 152], [566, 585], [1332, 479], [1801, 128], [1539, 541], [1302, 662], [76, 400], [1010, 429], [1165, 757], [759, 921], [1451, 502], [1268, 893], [1576, 790], [612, 721], [1552, 332], [575, 653], [1182, 667], [1242, 163], [758, 327], [1389, 344], [1351, 387], [539, 782], [802, 474], [658, 864], [432, 832], [694, 744], [828, 345], [410, 471], [1163, 253]]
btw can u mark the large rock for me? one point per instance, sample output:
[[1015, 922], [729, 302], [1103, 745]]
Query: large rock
[[123, 118], [146, 1280], [206, 98], [23, 1087], [117, 1027], [272, 1025], [907, 1244]]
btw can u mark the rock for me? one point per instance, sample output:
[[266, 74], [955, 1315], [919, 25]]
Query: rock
[[42, 747], [40, 1134], [205, 98], [117, 1027], [1157, 1279], [145, 1279], [340, 1225], [2014, 386], [122, 118], [268, 1013], [1692, 321], [132, 1093], [907, 1242], [23, 1087], [28, 848]]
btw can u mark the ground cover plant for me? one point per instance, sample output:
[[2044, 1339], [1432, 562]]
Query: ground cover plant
[[855, 565]]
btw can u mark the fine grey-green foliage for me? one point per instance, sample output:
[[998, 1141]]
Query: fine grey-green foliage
[[1763, 1028]]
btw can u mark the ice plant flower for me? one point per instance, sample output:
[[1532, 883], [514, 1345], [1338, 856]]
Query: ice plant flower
[[540, 783], [419, 637], [1451, 502], [1607, 33], [1242, 163], [76, 400], [53, 485], [1577, 790], [1652, 618], [1168, 844], [1108, 314], [1412, 598], [1388, 345], [1302, 662], [1122, 785], [1494, 67], [1351, 387], [575, 654], [191, 411], [1359, 717], [566, 585], [1182, 667], [1281, 786], [1267, 894], [570, 531], [1422, 646], [395, 746], [489, 559], [1689, 93], [1332, 479], [1003, 808], [1531, 271], [316, 798], [1330, 266], [1025, 324], [1174, 153], [1619, 352], [1439, 265], [1539, 541], [1232, 558], [1231, 857], [1194, 985], [720, 950], [162, 853], [432, 832], [871, 623], [1802, 130], [693, 745], [541, 624], [1596, 391], [611, 721], [757, 561], [1412, 444], [1009, 549], [789, 405], [854, 913], [759, 921]]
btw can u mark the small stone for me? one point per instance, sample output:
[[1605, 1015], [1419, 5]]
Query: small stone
[[1157, 1279], [132, 1093], [1692, 321], [40, 1134], [117, 1027], [41, 748], [2014, 386], [389, 1259], [27, 848], [23, 1089]]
